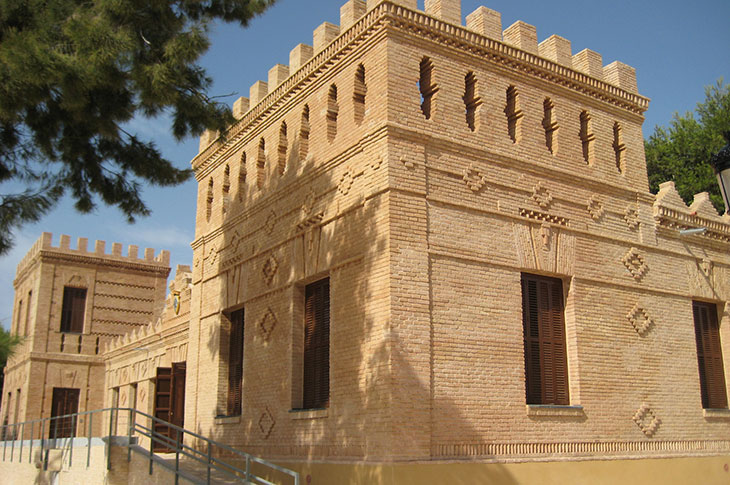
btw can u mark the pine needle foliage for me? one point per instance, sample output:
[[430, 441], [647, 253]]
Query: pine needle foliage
[[72, 73]]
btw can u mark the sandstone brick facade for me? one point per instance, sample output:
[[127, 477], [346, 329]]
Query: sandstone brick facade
[[423, 167]]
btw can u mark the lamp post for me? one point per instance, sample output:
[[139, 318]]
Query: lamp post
[[721, 163]]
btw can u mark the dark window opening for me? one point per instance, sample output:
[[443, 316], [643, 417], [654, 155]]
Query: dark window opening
[[235, 363], [73, 309], [316, 372], [427, 87], [709, 356]]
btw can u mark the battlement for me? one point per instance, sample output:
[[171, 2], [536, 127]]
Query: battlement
[[519, 40], [45, 244], [671, 212]]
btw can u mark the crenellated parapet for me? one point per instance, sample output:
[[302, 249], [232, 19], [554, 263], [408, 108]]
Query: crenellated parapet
[[44, 247], [515, 47], [671, 212]]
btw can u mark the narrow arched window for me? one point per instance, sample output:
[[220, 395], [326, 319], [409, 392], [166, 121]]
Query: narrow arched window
[[514, 115], [550, 124], [586, 137], [427, 87], [282, 148], [225, 189], [242, 172], [471, 100], [304, 133], [209, 200], [358, 95], [332, 112], [619, 148], [261, 164]]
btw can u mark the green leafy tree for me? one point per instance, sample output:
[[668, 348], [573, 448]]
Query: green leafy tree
[[7, 346], [682, 151], [73, 72]]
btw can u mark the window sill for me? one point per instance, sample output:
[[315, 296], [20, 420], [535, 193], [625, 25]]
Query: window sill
[[551, 410], [227, 419], [723, 414], [308, 413]]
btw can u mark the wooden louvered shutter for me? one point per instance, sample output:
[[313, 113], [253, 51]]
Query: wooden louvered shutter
[[709, 356], [316, 372], [546, 370], [73, 309], [235, 363]]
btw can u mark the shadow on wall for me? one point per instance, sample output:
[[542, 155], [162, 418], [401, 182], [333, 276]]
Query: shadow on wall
[[337, 229]]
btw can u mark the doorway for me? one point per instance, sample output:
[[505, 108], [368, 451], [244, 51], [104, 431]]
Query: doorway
[[65, 401], [169, 403]]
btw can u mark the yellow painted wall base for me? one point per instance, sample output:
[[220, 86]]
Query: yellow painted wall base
[[666, 471]]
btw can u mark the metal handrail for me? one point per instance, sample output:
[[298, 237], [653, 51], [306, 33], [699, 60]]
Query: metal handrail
[[176, 445]]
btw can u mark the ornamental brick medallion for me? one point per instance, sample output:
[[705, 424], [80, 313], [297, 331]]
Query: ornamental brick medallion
[[640, 320], [346, 182], [410, 164], [377, 162], [646, 420], [542, 196], [706, 267], [635, 264], [266, 423], [267, 323], [308, 204], [269, 269], [270, 222], [631, 216], [595, 208], [474, 180]]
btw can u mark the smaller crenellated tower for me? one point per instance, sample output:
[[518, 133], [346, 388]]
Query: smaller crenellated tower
[[69, 304]]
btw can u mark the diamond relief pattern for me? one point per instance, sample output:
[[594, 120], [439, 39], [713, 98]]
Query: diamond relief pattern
[[269, 269], [595, 208], [640, 320], [631, 216], [634, 262], [346, 182], [267, 323], [646, 420], [542, 196], [266, 423], [474, 180], [270, 222]]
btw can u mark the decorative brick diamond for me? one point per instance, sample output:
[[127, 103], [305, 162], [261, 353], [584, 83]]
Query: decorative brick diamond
[[270, 222], [542, 196], [631, 216], [640, 320], [269, 269], [595, 208], [346, 182], [266, 423], [646, 420], [267, 324], [634, 262], [308, 204], [474, 180], [407, 162]]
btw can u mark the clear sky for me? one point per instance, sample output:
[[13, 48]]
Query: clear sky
[[677, 47]]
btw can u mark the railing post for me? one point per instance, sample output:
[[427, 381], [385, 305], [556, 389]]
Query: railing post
[[248, 467], [132, 424], [43, 432], [5, 439], [30, 452], [152, 442], [88, 443], [12, 445], [177, 456], [73, 435], [22, 436], [109, 440], [210, 459]]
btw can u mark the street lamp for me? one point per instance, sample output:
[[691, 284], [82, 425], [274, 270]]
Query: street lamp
[[721, 163]]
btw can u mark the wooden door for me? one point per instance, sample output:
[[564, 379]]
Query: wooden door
[[177, 414], [163, 401], [65, 401]]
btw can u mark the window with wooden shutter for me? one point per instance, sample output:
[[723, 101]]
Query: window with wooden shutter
[[316, 359], [546, 366], [73, 309], [709, 356], [235, 364]]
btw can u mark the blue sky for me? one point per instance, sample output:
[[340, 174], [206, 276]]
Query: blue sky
[[677, 48]]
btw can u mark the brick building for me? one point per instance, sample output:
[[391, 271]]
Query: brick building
[[428, 251]]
